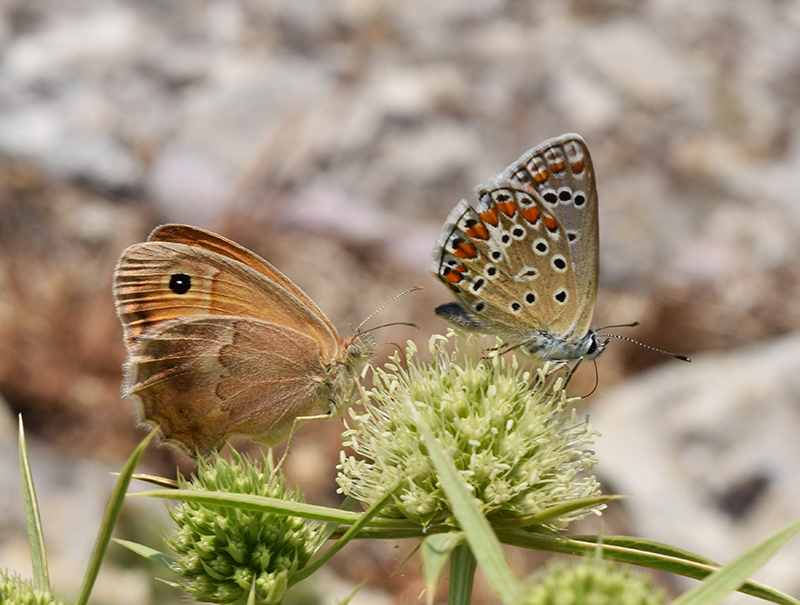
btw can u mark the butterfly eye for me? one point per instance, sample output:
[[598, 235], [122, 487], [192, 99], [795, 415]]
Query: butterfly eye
[[355, 350], [180, 283]]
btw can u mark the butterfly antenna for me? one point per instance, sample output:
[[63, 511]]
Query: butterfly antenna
[[394, 323], [382, 307], [633, 324], [641, 344]]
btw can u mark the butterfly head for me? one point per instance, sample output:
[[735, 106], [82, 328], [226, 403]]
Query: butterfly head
[[358, 350], [548, 346]]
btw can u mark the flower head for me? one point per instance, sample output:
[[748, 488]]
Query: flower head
[[513, 435], [224, 551], [16, 591], [589, 581]]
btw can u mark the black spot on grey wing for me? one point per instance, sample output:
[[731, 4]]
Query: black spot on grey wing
[[490, 271], [480, 306], [180, 283], [518, 232], [541, 247], [530, 298], [560, 296], [495, 255], [550, 197], [515, 306], [478, 284], [559, 263], [572, 236], [579, 199], [565, 195]]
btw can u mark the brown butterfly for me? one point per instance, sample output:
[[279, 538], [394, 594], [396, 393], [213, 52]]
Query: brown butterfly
[[220, 343]]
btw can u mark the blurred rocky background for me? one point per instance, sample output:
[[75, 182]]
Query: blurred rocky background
[[333, 137]]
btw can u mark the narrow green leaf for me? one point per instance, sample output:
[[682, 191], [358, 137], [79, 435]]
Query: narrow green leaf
[[156, 480], [346, 600], [251, 597], [462, 576], [647, 554], [109, 520], [330, 528], [558, 510], [161, 558], [256, 503], [41, 577], [353, 531], [724, 581], [648, 546], [479, 534], [436, 552]]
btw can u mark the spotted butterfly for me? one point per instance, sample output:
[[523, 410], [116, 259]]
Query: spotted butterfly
[[523, 263]]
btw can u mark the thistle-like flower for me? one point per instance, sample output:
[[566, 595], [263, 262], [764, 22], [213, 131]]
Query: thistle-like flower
[[16, 591], [512, 434], [223, 551], [589, 581]]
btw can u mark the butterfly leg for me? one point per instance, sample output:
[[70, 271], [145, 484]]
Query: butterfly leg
[[295, 424], [571, 371]]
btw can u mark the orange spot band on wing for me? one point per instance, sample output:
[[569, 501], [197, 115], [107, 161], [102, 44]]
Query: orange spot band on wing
[[531, 214], [454, 275], [578, 166], [490, 216], [507, 208], [550, 224], [478, 230], [465, 250]]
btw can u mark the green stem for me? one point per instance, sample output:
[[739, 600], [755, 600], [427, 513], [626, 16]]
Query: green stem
[[462, 576]]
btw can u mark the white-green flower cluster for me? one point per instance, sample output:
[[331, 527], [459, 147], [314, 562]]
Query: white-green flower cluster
[[223, 551], [513, 435], [589, 581], [16, 591]]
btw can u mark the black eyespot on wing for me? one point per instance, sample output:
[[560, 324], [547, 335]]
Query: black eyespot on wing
[[180, 283]]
